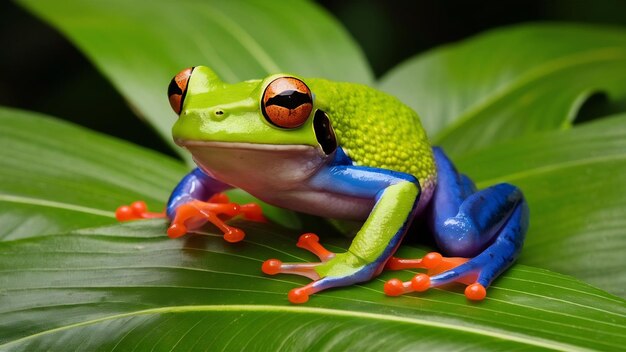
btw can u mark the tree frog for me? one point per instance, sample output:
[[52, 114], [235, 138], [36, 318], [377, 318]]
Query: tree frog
[[342, 151]]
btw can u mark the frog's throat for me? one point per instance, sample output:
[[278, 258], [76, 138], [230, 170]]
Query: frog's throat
[[257, 168]]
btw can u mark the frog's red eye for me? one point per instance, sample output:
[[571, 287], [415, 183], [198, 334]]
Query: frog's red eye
[[178, 89], [287, 102]]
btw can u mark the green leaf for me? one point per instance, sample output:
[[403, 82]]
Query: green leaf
[[130, 287], [572, 180], [55, 176], [511, 82], [141, 45]]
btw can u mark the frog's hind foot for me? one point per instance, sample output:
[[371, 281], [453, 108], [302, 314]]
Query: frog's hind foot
[[441, 271], [488, 225], [433, 261], [310, 242], [422, 282]]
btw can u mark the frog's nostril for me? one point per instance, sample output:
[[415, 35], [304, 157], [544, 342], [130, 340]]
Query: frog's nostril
[[178, 89]]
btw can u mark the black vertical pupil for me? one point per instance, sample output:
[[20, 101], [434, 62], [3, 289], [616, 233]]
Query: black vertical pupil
[[173, 88], [324, 132], [289, 99]]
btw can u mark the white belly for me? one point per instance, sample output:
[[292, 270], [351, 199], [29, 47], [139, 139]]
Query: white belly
[[278, 175]]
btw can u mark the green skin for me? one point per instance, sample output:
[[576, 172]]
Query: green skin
[[374, 130]]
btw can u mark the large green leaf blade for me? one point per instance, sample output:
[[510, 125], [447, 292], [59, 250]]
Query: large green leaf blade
[[55, 176], [190, 328], [511, 82], [573, 181], [141, 45], [130, 286]]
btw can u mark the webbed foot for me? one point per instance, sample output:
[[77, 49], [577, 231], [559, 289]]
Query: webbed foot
[[194, 214], [333, 270], [441, 271]]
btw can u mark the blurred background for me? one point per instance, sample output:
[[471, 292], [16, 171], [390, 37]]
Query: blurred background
[[42, 71]]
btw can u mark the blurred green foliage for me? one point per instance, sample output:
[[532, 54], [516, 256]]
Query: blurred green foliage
[[56, 75]]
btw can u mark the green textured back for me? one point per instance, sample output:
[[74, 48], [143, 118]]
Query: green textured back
[[375, 129]]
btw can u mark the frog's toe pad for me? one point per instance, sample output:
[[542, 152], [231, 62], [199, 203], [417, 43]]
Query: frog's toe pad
[[272, 266], [176, 230], [311, 243], [419, 283], [475, 292], [301, 294], [135, 211]]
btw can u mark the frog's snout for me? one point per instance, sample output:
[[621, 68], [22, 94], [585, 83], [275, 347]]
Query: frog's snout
[[178, 89]]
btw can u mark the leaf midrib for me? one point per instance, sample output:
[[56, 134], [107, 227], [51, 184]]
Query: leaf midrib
[[523, 339], [54, 204], [560, 64]]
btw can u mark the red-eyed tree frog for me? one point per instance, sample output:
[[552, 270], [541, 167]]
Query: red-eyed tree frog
[[342, 151]]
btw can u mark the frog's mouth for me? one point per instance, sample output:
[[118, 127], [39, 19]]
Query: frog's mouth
[[251, 166]]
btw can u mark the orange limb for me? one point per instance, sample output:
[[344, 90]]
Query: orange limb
[[311, 243], [250, 211]]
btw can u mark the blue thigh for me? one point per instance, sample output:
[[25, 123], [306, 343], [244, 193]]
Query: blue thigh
[[489, 225]]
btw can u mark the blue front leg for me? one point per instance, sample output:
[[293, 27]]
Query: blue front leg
[[196, 185], [487, 226]]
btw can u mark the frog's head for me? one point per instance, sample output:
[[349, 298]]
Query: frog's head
[[258, 120]]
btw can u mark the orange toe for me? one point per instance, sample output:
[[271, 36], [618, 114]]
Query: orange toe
[[124, 213], [475, 292], [271, 266], [298, 295], [420, 282], [432, 260], [234, 235], [394, 287], [176, 230]]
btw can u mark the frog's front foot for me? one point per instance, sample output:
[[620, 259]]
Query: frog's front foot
[[194, 214], [333, 270], [441, 270], [135, 211]]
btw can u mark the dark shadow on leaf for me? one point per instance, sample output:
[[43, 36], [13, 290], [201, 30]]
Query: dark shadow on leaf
[[598, 105], [193, 242]]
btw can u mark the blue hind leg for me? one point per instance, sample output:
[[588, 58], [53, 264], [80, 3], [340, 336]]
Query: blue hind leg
[[488, 227]]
